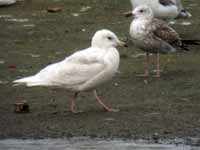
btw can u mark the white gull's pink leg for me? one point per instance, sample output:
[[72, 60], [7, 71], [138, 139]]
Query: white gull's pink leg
[[102, 104]]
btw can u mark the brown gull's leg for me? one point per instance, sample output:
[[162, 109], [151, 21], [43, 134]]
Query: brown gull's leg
[[102, 104], [146, 66], [72, 106], [158, 65]]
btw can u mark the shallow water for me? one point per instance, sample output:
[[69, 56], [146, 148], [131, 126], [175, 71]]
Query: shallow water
[[85, 144]]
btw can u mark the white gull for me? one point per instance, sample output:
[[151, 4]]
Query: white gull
[[163, 9], [7, 2], [84, 70]]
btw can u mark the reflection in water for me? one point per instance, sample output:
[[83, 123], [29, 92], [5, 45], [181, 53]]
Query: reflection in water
[[85, 144]]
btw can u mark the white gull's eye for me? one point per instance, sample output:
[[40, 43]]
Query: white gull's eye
[[110, 38]]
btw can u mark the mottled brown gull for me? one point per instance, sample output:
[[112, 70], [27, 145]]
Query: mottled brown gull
[[153, 35], [84, 70]]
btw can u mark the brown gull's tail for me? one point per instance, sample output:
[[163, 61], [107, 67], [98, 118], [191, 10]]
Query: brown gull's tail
[[186, 43]]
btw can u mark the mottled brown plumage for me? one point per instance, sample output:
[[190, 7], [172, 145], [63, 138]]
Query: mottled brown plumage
[[154, 36], [166, 33]]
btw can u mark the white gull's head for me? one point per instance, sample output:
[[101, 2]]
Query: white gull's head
[[142, 12], [105, 39]]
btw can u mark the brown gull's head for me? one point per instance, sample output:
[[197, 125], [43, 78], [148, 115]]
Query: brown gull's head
[[142, 12]]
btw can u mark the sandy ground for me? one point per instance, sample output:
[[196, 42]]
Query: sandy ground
[[168, 107]]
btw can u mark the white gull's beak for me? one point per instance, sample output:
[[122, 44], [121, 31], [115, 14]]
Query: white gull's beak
[[121, 43]]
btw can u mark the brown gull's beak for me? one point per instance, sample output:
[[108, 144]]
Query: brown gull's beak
[[128, 14]]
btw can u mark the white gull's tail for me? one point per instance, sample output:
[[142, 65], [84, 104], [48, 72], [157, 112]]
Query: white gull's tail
[[29, 81]]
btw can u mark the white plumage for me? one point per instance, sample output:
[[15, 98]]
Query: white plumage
[[84, 70], [164, 9], [7, 2]]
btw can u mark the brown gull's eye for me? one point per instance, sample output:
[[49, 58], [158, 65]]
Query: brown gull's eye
[[142, 10]]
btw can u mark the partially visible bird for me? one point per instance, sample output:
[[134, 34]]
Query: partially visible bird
[[163, 9], [7, 2], [84, 70], [154, 36]]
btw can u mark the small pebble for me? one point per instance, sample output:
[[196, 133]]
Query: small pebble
[[109, 119], [13, 66], [116, 84], [2, 62], [172, 22], [156, 137], [75, 14], [186, 23], [35, 55], [54, 9], [85, 8], [28, 25], [21, 107], [3, 82], [83, 30], [17, 20]]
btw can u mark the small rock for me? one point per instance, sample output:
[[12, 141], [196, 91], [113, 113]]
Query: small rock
[[167, 132], [85, 8], [6, 16], [172, 22], [75, 14], [21, 107], [3, 82], [109, 119], [116, 84], [12, 66], [2, 62], [186, 23], [55, 112], [156, 137], [146, 81], [28, 25], [123, 56], [138, 55], [17, 20], [67, 31], [83, 30], [35, 55], [54, 9]]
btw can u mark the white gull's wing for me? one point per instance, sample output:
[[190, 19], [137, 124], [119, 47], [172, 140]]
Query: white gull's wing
[[74, 70], [167, 2]]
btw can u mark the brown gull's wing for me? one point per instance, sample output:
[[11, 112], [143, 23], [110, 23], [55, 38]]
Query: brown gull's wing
[[162, 35], [163, 31], [160, 38]]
